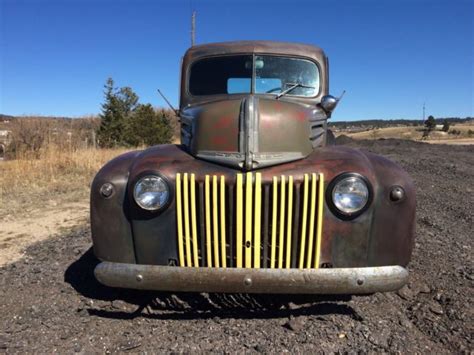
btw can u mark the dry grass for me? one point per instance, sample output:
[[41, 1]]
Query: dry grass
[[57, 175]]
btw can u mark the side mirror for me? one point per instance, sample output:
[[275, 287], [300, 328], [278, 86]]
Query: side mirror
[[329, 103]]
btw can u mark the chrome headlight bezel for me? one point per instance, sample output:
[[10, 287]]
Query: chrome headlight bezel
[[153, 175], [344, 215]]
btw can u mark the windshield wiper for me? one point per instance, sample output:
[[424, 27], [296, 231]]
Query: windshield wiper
[[292, 86]]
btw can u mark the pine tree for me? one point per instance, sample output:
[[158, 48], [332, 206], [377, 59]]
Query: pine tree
[[109, 133], [430, 123], [118, 106], [445, 126], [127, 100]]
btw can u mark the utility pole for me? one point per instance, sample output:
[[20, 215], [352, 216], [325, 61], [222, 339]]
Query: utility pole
[[193, 28], [423, 112]]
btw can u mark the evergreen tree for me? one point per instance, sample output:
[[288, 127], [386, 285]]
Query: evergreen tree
[[148, 127], [127, 100], [118, 106], [445, 126], [430, 123]]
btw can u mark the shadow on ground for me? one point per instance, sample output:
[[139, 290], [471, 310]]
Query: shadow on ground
[[180, 305]]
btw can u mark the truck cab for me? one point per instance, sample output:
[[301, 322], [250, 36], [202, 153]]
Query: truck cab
[[253, 104]]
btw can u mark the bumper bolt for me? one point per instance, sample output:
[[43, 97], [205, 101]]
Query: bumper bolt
[[397, 194], [360, 282], [139, 277], [107, 189], [248, 281]]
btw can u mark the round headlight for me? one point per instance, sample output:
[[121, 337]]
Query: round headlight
[[350, 195], [151, 192]]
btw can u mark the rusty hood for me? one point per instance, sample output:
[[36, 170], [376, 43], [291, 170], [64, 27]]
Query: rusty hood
[[252, 132]]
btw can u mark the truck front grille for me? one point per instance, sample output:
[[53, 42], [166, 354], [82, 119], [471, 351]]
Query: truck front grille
[[249, 223]]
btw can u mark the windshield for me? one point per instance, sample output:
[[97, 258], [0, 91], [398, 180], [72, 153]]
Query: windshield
[[273, 75]]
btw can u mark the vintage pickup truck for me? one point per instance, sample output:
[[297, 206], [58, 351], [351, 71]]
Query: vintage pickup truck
[[254, 199]]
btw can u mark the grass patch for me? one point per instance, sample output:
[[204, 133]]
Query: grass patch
[[56, 175]]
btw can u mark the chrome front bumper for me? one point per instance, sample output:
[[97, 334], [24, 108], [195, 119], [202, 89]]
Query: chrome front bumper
[[240, 280]]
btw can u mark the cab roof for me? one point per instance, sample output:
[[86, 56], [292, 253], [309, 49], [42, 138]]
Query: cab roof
[[269, 47]]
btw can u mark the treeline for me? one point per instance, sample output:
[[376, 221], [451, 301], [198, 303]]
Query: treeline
[[123, 122], [379, 123]]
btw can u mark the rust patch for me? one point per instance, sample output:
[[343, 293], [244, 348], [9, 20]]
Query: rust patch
[[224, 122]]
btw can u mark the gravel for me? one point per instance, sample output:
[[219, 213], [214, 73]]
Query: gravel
[[50, 301]]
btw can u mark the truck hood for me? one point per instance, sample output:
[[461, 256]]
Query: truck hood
[[252, 132]]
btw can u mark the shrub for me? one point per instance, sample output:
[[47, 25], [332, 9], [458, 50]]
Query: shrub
[[445, 126], [148, 127]]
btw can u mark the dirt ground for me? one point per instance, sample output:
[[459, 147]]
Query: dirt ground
[[22, 228], [50, 301], [460, 141]]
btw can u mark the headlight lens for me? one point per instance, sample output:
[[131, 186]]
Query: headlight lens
[[350, 195], [151, 193]]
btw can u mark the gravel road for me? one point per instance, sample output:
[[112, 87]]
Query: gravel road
[[50, 301]]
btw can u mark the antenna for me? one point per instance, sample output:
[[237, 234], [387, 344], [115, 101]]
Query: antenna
[[169, 104], [342, 95], [423, 112], [193, 28]]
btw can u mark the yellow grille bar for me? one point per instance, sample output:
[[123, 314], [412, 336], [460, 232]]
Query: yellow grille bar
[[274, 222], [248, 220], [215, 221], [304, 221], [319, 224], [193, 221], [223, 239], [179, 218], [257, 220], [186, 220], [239, 221], [289, 222], [311, 221], [282, 222], [207, 203], [285, 226]]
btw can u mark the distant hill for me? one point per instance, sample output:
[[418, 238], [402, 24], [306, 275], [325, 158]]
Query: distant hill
[[5, 117], [391, 123]]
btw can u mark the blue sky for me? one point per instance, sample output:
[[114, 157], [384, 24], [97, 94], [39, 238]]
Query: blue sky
[[390, 56]]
